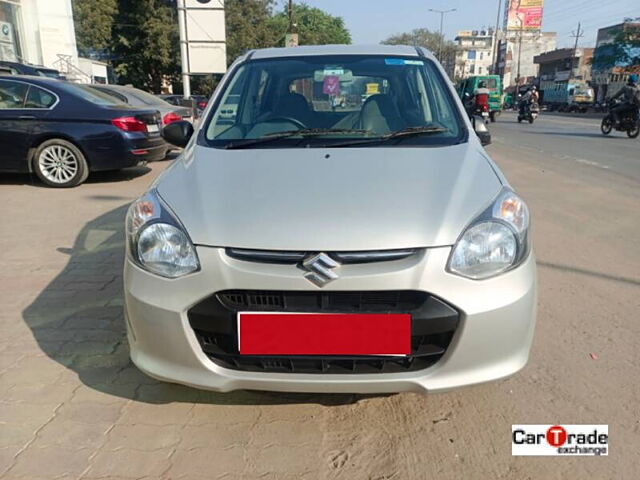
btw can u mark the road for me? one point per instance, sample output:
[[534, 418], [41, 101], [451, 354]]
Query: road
[[74, 407]]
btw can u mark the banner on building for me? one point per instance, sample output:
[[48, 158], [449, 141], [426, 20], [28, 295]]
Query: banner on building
[[7, 46], [206, 36], [524, 15]]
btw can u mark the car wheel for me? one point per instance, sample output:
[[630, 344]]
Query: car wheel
[[59, 163]]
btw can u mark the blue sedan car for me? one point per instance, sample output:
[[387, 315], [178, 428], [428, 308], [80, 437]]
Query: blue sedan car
[[62, 131]]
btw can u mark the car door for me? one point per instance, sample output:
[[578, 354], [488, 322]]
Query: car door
[[14, 126]]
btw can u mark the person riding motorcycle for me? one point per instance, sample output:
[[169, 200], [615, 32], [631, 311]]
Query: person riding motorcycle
[[631, 99], [530, 96], [481, 96]]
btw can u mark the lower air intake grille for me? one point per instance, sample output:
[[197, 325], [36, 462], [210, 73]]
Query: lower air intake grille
[[433, 324]]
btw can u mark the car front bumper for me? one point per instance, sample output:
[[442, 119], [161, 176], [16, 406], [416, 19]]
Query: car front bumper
[[492, 340]]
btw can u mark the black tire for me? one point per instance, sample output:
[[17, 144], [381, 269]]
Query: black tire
[[606, 126], [59, 163], [492, 117], [634, 132], [519, 119], [530, 119]]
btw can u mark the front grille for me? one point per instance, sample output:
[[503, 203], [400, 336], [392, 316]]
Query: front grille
[[433, 323], [344, 258]]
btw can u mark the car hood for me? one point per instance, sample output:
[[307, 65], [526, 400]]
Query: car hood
[[329, 199]]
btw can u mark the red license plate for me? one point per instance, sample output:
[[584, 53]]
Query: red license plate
[[262, 333]]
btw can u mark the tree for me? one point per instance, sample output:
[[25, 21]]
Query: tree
[[146, 44], [422, 37], [248, 25], [93, 21], [314, 26]]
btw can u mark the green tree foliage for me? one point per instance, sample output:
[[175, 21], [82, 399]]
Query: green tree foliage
[[93, 23], [248, 24], [314, 26], [623, 51], [146, 44], [422, 37]]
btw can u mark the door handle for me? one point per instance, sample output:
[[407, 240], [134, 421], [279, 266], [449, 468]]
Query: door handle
[[26, 117]]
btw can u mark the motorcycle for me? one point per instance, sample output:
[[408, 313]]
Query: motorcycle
[[630, 123], [530, 112]]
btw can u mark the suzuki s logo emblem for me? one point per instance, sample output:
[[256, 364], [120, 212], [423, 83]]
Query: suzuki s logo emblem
[[319, 269]]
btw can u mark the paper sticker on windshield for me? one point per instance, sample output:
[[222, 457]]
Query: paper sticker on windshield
[[402, 61]]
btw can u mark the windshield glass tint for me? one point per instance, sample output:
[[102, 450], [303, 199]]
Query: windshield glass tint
[[90, 94], [340, 98]]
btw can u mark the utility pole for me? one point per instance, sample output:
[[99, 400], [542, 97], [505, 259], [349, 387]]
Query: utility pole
[[184, 54], [519, 53], [577, 34], [291, 38], [494, 59], [441, 12]]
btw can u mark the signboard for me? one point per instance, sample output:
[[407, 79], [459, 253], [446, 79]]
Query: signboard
[[524, 15], [7, 47], [291, 40], [465, 33], [205, 35]]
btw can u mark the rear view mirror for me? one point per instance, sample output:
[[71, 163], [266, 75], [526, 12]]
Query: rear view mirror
[[481, 130], [178, 133]]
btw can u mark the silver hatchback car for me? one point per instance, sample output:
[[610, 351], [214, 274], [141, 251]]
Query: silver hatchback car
[[343, 231]]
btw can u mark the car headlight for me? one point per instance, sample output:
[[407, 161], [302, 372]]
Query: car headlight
[[157, 241], [496, 241]]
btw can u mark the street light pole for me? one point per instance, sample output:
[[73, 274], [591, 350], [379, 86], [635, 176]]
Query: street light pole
[[441, 12], [184, 54], [494, 58]]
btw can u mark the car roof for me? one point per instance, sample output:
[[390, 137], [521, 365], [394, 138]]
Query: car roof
[[402, 50], [32, 78]]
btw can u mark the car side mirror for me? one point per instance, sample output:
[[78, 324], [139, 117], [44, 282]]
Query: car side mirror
[[481, 130], [178, 133]]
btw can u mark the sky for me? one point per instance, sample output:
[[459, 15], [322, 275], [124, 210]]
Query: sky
[[371, 21]]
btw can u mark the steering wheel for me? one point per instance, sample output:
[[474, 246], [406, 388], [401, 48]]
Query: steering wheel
[[296, 122]]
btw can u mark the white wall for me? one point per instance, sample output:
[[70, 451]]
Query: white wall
[[47, 30]]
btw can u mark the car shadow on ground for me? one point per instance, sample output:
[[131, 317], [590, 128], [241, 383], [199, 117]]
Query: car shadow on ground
[[77, 321], [111, 176]]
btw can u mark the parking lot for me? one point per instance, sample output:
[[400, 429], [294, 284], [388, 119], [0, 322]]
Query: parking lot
[[74, 407]]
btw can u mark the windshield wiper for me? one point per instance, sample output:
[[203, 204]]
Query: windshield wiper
[[307, 132], [404, 133]]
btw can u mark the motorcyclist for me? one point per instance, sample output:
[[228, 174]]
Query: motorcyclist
[[529, 97], [481, 96], [631, 99]]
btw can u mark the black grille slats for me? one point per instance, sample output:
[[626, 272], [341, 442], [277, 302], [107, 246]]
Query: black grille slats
[[214, 321]]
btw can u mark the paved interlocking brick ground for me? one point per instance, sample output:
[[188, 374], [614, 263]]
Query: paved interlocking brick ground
[[72, 406]]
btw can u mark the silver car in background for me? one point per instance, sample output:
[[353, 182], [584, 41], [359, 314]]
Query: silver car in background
[[308, 244], [139, 98]]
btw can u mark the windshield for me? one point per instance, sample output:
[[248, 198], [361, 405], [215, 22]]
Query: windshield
[[333, 100], [144, 97], [90, 94]]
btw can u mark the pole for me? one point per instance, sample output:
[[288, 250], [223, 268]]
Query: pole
[[494, 59], [577, 36], [441, 12], [184, 54], [519, 54], [290, 16]]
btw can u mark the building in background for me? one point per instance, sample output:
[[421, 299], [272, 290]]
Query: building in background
[[522, 40], [474, 53], [561, 65], [608, 76], [37, 32]]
